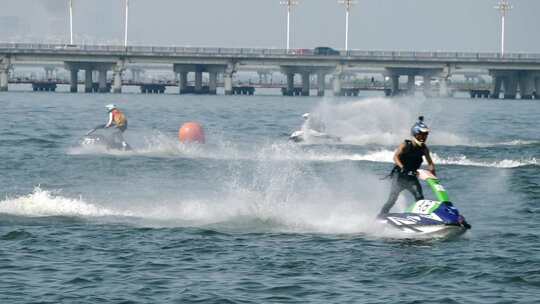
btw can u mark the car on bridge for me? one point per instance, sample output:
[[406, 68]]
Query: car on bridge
[[325, 50], [67, 47]]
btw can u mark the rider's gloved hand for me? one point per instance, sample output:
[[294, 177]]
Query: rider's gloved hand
[[431, 168]]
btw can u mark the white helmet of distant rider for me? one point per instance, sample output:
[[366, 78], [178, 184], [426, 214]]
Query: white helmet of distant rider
[[110, 107]]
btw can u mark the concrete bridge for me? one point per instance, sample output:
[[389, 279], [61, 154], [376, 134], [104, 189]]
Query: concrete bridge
[[511, 73]]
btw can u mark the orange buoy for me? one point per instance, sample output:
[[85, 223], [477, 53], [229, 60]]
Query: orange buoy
[[191, 132]]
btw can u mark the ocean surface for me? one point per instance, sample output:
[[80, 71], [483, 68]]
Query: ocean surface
[[250, 217]]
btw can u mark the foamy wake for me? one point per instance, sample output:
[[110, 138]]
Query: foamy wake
[[505, 163], [259, 215], [386, 156], [517, 142], [45, 203], [242, 213]]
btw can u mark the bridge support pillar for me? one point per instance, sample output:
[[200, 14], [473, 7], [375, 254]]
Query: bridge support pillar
[[212, 83], [4, 79], [320, 84], [526, 85], [198, 81], [443, 87], [230, 69], [88, 80], [102, 81], [497, 85], [537, 87], [510, 84], [427, 86], [227, 81], [337, 84], [74, 80], [118, 69], [49, 72], [338, 80], [290, 84], [395, 84], [305, 84], [410, 83], [117, 81], [182, 82]]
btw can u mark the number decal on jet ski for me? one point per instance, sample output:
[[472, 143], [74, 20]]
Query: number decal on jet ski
[[424, 207]]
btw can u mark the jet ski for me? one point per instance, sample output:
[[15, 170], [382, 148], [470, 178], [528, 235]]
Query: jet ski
[[312, 136], [313, 131], [429, 217], [102, 141]]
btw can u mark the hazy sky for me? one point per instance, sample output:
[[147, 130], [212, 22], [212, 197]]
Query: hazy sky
[[450, 25]]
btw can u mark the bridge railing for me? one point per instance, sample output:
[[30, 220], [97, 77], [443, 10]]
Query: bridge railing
[[300, 53]]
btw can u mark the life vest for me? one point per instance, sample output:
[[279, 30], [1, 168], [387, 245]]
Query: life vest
[[119, 118], [412, 156]]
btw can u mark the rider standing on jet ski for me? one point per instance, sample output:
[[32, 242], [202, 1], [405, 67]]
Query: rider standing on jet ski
[[119, 121], [408, 158]]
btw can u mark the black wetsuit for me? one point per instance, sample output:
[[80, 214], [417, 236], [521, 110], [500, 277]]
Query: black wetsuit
[[406, 179]]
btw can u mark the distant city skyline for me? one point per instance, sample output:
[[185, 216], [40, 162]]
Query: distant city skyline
[[431, 25]]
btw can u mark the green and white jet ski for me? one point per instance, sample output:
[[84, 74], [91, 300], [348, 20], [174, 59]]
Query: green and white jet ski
[[429, 217]]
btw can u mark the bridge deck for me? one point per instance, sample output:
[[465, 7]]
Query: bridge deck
[[262, 54]]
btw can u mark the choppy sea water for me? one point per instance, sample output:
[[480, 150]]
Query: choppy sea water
[[252, 218]]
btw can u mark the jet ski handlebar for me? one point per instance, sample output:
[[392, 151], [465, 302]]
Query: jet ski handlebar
[[425, 174], [95, 128]]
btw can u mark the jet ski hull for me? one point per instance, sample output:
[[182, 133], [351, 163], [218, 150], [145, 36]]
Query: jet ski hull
[[313, 136], [103, 142], [416, 224]]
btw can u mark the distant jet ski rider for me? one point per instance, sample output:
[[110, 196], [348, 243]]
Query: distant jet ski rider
[[313, 127], [119, 121], [313, 123], [408, 158]]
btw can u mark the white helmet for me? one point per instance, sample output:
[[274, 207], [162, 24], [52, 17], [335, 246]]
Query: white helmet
[[110, 106], [305, 115]]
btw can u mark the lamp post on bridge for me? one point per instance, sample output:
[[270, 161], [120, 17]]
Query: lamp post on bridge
[[70, 21], [126, 24], [289, 4], [348, 5], [504, 7]]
